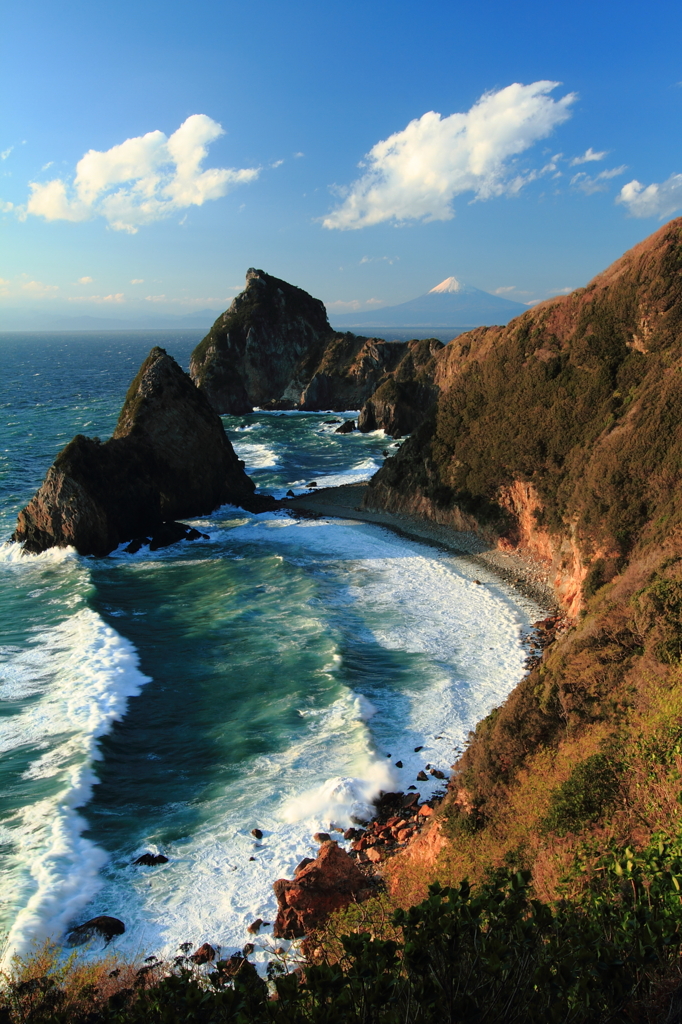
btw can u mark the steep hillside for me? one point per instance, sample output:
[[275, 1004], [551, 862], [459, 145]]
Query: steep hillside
[[562, 432], [561, 435]]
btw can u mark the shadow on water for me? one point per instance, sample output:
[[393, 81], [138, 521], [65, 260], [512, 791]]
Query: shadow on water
[[240, 651]]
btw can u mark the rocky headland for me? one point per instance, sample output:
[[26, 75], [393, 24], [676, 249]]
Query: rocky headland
[[274, 348], [558, 440], [169, 458]]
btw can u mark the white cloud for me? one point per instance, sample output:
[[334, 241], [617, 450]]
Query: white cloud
[[6, 152], [141, 180], [588, 156], [137, 280], [416, 173], [599, 183], [657, 200], [380, 259], [504, 289], [47, 165], [38, 288], [6, 207], [117, 298], [277, 163], [154, 298], [85, 280]]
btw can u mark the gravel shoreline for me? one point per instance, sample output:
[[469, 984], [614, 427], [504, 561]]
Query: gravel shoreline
[[521, 572]]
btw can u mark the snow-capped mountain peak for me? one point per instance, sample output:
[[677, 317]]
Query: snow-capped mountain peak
[[450, 284]]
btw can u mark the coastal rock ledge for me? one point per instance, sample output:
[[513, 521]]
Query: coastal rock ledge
[[169, 458]]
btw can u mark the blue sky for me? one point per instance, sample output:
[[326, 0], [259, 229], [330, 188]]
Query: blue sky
[[262, 114]]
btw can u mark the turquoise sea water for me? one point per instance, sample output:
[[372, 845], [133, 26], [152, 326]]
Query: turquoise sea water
[[270, 676]]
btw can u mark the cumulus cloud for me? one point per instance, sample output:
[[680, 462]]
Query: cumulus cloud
[[589, 184], [416, 173], [141, 180], [85, 280], [137, 280], [588, 156], [657, 200], [6, 152]]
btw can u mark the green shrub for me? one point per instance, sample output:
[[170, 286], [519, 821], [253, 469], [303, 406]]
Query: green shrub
[[590, 789]]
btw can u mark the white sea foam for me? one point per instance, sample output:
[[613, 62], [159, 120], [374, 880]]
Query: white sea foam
[[12, 552], [256, 456], [361, 471], [219, 879], [408, 598], [74, 683]]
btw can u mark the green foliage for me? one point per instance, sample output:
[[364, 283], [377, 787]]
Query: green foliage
[[464, 955], [661, 603], [587, 793]]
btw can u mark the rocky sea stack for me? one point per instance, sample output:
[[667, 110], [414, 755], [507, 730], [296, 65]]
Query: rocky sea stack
[[265, 347], [169, 458], [274, 348]]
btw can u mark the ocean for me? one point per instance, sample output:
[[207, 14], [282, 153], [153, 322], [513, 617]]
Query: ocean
[[269, 677]]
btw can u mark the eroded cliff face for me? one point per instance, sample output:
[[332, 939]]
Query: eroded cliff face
[[558, 434], [402, 399], [169, 458]]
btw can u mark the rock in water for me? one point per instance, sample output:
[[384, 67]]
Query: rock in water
[[326, 884], [151, 859], [263, 349], [104, 926], [347, 427], [169, 458]]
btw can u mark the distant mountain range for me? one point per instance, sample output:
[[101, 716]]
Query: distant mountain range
[[26, 320], [443, 312], [446, 310]]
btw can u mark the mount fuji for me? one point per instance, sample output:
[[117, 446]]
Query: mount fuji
[[445, 311]]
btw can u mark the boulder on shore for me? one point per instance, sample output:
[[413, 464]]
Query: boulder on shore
[[169, 458], [328, 883]]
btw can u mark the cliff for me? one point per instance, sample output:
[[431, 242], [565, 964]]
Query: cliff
[[274, 347], [264, 348], [169, 458], [561, 433]]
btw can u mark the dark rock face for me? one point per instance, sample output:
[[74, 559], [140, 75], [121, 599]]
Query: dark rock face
[[324, 885], [104, 926], [402, 399], [274, 348], [169, 458], [350, 371], [263, 349]]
